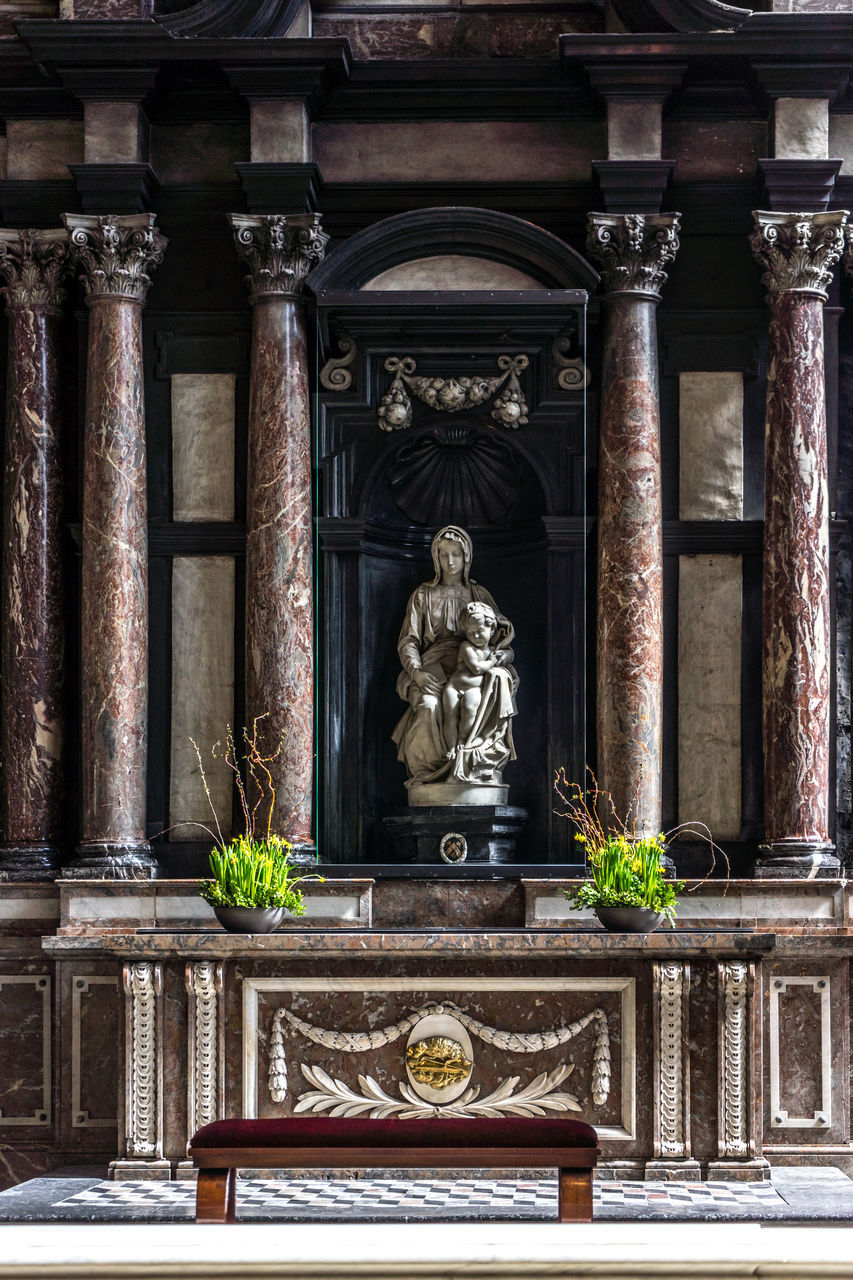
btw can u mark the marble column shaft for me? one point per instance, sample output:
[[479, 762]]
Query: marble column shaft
[[632, 250], [798, 252], [115, 255], [33, 265], [279, 252]]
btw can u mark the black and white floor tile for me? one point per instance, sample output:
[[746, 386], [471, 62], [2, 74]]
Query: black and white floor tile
[[369, 1200]]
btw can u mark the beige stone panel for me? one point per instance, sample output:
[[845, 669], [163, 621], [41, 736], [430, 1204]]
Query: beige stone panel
[[710, 609], [280, 132], [198, 152], [202, 690], [203, 446], [801, 129], [634, 130], [710, 421], [715, 149], [452, 271], [457, 151], [38, 149], [841, 140], [112, 133]]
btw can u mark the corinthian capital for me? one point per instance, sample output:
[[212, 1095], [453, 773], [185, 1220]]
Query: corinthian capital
[[632, 249], [798, 250], [33, 265], [279, 250], [115, 253]]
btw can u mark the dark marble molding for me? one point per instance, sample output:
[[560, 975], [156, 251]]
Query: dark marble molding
[[425, 233], [679, 15]]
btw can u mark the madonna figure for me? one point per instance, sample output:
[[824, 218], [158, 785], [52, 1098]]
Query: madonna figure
[[463, 748]]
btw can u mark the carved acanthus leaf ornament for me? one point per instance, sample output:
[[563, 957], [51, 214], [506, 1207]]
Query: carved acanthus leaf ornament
[[798, 250], [115, 254], [632, 249], [279, 250], [33, 266]]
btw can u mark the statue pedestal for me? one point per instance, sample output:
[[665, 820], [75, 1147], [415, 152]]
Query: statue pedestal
[[453, 834], [456, 795]]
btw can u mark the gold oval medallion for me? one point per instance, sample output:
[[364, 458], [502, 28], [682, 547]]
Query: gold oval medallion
[[437, 1061]]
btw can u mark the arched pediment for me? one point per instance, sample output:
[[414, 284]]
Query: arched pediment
[[680, 15], [373, 257]]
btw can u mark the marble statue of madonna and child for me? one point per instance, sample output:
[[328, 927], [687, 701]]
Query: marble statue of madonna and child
[[456, 735]]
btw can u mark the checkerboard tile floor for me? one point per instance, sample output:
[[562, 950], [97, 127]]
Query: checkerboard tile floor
[[372, 1200]]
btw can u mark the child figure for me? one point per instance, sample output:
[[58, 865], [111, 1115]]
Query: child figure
[[463, 691]]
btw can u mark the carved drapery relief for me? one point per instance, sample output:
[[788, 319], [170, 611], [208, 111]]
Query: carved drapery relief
[[632, 249], [279, 250], [672, 982], [734, 1060], [115, 254], [798, 250], [535, 1098], [143, 985], [451, 395], [204, 987]]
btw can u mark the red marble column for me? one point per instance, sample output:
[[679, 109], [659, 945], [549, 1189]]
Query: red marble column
[[632, 250], [280, 252], [115, 255], [798, 252], [32, 623]]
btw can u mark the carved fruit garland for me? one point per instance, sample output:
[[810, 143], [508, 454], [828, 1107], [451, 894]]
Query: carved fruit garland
[[450, 395]]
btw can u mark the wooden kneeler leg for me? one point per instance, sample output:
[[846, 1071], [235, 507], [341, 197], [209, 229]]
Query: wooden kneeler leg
[[575, 1203], [216, 1195]]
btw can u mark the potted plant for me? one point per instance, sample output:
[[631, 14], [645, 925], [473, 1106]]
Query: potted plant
[[252, 886], [628, 888]]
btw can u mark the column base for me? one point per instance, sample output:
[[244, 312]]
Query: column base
[[796, 860], [672, 1170], [756, 1170], [140, 1170], [23, 861], [100, 860], [303, 854]]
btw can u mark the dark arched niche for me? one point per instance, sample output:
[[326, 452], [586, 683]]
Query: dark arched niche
[[447, 231], [679, 15], [453, 291]]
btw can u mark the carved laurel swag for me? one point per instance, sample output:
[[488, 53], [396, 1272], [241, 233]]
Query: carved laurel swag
[[33, 265], [450, 395], [279, 250], [115, 254], [535, 1099], [798, 250], [508, 1041], [633, 249]]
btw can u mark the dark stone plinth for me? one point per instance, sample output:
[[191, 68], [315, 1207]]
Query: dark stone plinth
[[24, 862], [491, 833], [103, 861], [796, 859]]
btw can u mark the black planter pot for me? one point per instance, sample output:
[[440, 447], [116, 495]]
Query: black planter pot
[[629, 919], [250, 919]]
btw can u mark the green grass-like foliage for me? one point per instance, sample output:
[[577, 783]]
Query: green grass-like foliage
[[628, 873], [626, 870], [253, 873]]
